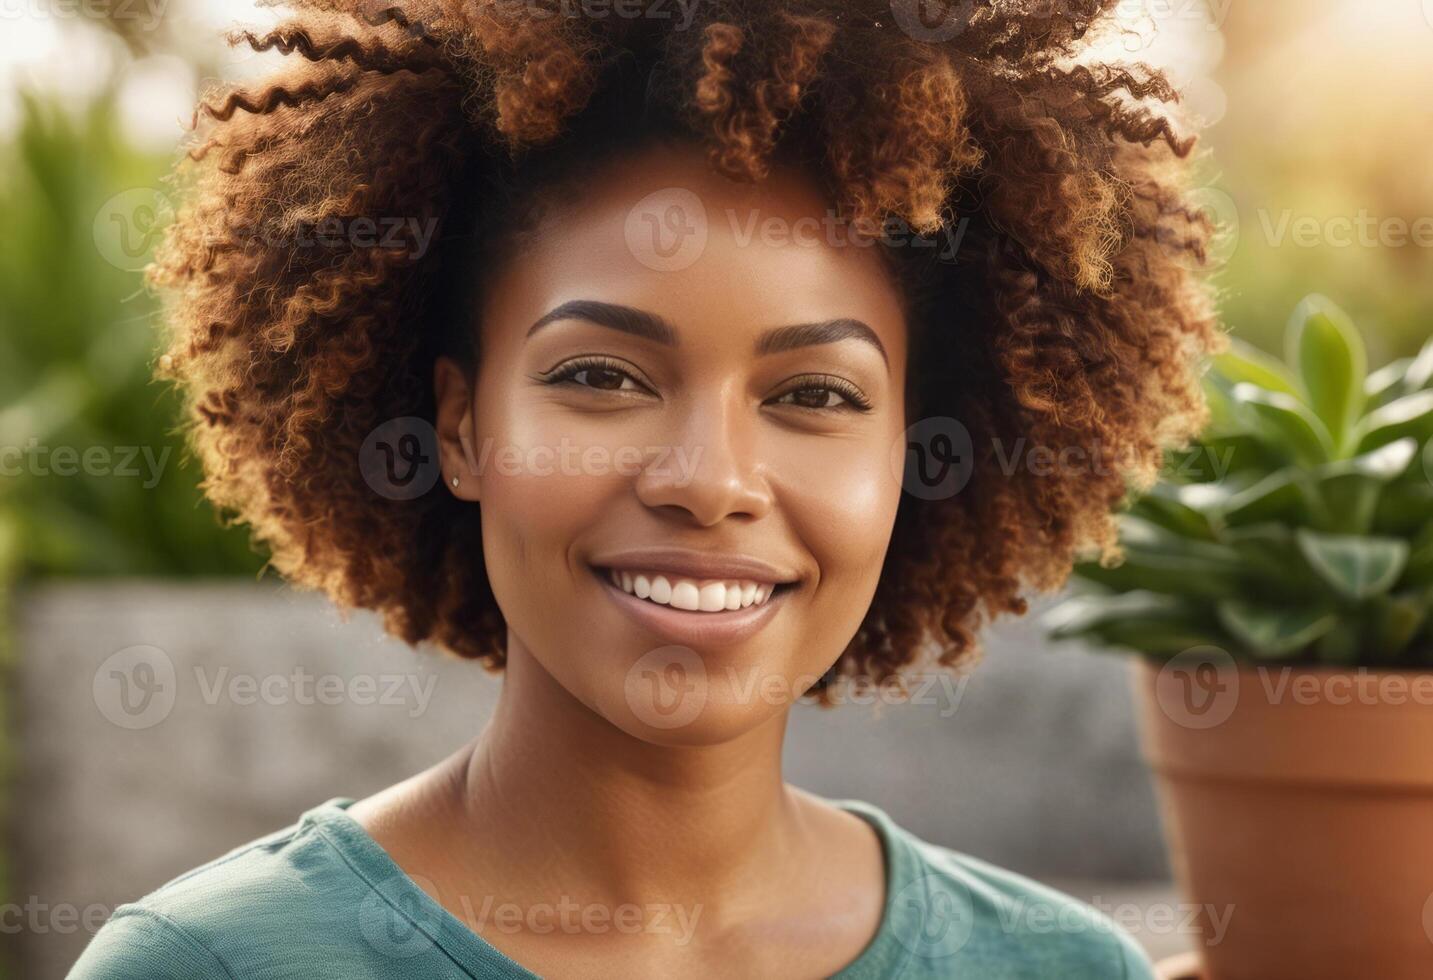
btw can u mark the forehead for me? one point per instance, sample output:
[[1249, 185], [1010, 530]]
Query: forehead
[[718, 259]]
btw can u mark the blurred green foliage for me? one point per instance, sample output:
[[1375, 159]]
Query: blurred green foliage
[[78, 334], [1299, 526]]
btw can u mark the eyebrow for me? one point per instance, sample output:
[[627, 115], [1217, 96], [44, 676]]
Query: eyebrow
[[652, 327]]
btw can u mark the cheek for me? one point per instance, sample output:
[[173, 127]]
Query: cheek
[[841, 498], [542, 481]]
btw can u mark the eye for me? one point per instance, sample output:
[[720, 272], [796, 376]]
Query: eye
[[824, 392], [599, 373]]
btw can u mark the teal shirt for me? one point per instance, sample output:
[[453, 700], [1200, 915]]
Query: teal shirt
[[322, 899]]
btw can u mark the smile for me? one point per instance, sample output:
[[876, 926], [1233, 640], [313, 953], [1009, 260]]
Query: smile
[[694, 612], [693, 595]]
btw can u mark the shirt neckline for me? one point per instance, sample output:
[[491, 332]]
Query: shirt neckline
[[431, 926]]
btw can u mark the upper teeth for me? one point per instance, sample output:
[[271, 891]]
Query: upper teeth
[[697, 595]]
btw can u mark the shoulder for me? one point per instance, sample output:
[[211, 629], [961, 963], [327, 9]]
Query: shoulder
[[229, 918], [952, 913]]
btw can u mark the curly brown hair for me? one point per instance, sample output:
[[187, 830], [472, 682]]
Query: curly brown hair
[[1073, 317]]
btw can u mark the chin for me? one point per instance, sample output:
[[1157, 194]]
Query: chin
[[679, 705]]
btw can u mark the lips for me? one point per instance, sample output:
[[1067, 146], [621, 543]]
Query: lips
[[693, 627]]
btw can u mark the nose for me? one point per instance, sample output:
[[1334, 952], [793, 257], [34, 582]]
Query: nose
[[711, 468]]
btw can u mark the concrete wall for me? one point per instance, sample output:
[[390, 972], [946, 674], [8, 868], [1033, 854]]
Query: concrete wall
[[1030, 763]]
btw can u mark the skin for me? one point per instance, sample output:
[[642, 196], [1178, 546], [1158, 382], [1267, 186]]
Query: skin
[[577, 788]]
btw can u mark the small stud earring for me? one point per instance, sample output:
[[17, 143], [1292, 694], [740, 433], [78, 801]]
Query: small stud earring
[[455, 481]]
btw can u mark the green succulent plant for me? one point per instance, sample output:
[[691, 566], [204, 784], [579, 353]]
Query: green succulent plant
[[1298, 528]]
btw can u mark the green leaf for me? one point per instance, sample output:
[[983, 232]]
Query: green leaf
[[1323, 342], [1420, 557], [1216, 456], [1286, 424], [1280, 496], [1170, 573], [1386, 384], [1274, 631], [1341, 645], [1348, 491], [1164, 505], [1272, 552], [1403, 508], [1245, 363], [1420, 373], [1395, 621], [1411, 415], [1141, 621], [1356, 566]]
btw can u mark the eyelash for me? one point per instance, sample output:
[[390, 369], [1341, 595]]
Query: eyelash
[[853, 399]]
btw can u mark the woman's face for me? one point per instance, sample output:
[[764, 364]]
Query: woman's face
[[698, 385]]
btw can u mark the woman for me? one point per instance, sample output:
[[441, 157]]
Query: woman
[[590, 342]]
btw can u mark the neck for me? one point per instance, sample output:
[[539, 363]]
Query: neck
[[614, 817]]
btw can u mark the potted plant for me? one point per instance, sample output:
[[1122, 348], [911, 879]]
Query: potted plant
[[1278, 582]]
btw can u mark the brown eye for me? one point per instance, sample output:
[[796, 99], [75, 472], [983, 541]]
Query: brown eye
[[595, 373], [598, 377], [813, 398], [825, 393]]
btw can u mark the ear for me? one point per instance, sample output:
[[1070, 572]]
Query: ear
[[454, 397]]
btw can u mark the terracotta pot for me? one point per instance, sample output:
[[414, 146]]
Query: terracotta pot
[[1298, 805]]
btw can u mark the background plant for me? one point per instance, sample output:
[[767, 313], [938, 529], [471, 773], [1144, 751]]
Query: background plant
[[1298, 528]]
